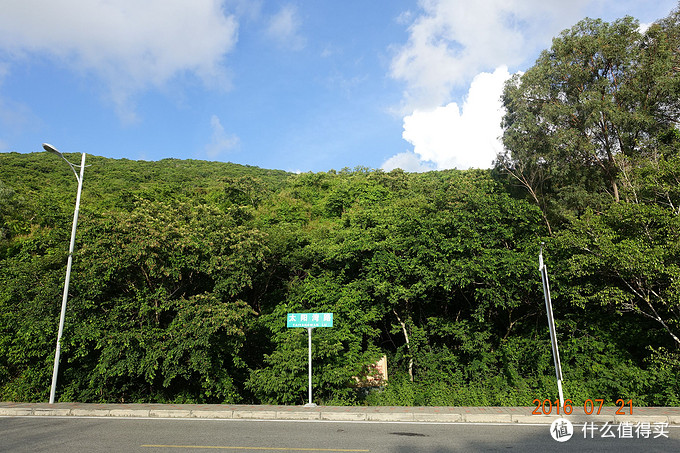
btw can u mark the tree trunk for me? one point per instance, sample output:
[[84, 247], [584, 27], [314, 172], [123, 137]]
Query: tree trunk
[[408, 345]]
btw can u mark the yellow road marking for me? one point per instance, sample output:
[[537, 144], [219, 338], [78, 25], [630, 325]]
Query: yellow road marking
[[217, 447]]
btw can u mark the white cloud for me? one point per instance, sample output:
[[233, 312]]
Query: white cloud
[[453, 40], [455, 137], [451, 43], [407, 161], [284, 28], [220, 142], [130, 45]]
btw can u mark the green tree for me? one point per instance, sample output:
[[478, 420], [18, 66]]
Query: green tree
[[627, 258], [159, 313], [601, 95], [31, 280]]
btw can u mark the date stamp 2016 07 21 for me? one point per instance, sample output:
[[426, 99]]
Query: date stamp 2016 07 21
[[590, 407]]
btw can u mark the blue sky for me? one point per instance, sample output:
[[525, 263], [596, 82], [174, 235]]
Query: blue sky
[[308, 85]]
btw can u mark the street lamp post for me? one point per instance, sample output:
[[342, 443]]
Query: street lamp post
[[57, 352]]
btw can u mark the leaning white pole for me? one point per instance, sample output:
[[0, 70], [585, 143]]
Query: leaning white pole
[[551, 325], [57, 353]]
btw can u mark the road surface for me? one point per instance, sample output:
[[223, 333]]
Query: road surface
[[106, 434]]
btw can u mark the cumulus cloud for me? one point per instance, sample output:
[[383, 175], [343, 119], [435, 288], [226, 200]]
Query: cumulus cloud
[[130, 45], [453, 44], [453, 40], [221, 142], [407, 161], [284, 28], [452, 136]]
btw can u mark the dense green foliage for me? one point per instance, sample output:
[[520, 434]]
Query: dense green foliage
[[184, 270]]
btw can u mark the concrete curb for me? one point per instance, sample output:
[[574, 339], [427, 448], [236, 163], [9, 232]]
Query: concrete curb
[[516, 415]]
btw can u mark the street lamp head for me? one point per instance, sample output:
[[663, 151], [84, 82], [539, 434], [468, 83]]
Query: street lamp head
[[50, 148]]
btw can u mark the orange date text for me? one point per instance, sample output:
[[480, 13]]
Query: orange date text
[[590, 407]]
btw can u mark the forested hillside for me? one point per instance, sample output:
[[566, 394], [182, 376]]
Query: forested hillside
[[184, 270]]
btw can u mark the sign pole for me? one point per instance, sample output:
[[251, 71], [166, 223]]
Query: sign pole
[[551, 324], [310, 404], [309, 321]]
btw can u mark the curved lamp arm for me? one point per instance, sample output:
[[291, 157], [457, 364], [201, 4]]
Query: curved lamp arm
[[53, 150]]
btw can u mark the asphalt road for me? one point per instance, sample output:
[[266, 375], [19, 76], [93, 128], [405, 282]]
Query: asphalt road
[[73, 434]]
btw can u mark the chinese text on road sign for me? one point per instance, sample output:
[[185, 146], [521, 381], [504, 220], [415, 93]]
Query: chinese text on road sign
[[309, 320]]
